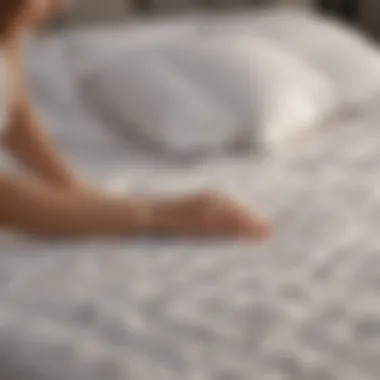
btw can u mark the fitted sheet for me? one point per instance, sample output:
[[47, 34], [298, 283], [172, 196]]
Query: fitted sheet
[[303, 306]]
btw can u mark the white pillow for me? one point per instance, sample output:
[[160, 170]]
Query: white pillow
[[144, 93], [211, 94], [345, 55], [271, 94], [91, 47], [47, 71]]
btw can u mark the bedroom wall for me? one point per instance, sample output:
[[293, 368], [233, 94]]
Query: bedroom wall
[[369, 16], [113, 10], [89, 11]]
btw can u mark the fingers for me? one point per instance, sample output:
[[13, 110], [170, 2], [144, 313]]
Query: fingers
[[228, 218], [211, 214]]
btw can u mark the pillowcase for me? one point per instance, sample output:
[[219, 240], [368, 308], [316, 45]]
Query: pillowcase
[[344, 55], [208, 94], [47, 70], [149, 97], [56, 94], [271, 94], [91, 47]]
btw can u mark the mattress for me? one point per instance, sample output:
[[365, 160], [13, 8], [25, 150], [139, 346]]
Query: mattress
[[305, 305]]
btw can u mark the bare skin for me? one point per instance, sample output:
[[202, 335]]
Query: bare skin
[[57, 203]]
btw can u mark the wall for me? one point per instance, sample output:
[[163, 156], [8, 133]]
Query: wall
[[369, 16], [114, 10]]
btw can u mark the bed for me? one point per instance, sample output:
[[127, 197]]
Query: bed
[[303, 306]]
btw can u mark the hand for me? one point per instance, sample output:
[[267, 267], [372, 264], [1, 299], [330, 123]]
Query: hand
[[211, 214]]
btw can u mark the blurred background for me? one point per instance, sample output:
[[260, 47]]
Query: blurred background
[[363, 13], [98, 11], [113, 10]]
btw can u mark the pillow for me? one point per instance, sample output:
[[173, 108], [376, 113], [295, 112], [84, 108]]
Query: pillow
[[345, 55], [47, 70], [201, 95], [149, 96], [56, 94], [271, 94], [91, 47]]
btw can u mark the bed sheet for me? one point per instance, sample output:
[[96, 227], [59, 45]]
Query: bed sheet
[[305, 306]]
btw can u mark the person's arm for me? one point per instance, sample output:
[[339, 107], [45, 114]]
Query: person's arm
[[36, 208], [25, 136], [27, 141]]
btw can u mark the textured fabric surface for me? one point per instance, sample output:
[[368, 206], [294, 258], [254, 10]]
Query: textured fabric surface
[[304, 306]]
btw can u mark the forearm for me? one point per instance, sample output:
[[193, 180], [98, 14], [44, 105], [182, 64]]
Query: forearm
[[39, 209]]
